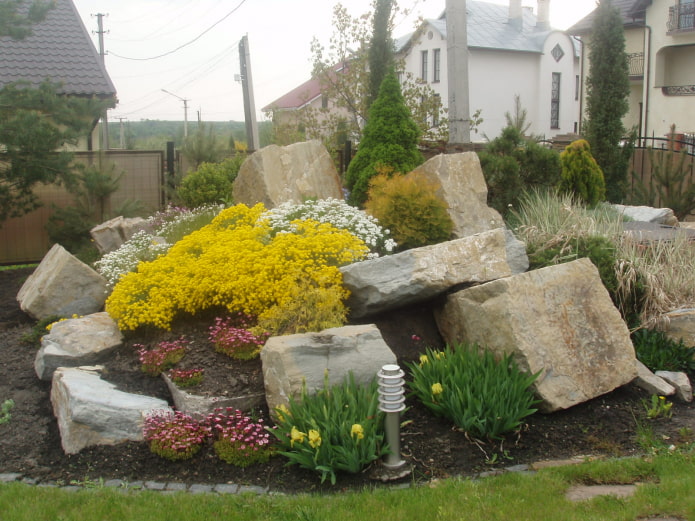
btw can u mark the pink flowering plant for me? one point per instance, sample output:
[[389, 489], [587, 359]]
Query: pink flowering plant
[[233, 337], [239, 440], [164, 356], [174, 436], [186, 377]]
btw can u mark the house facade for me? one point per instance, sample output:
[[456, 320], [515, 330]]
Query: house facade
[[512, 52], [59, 49], [660, 44]]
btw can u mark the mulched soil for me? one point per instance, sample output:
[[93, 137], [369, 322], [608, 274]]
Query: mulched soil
[[30, 442]]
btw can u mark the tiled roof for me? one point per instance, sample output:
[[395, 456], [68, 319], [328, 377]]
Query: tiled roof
[[631, 11], [60, 49], [300, 96]]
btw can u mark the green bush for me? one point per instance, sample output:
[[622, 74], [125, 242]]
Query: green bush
[[410, 209], [482, 396], [660, 353], [513, 163], [340, 428], [581, 175], [211, 183]]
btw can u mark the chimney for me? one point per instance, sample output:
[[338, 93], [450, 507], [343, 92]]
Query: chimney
[[543, 17], [515, 14]]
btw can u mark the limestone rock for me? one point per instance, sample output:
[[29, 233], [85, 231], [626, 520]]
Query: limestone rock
[[74, 342], [62, 285], [274, 175], [651, 383], [558, 320], [464, 190], [91, 411], [517, 258], [648, 214], [201, 405], [110, 235], [681, 382], [679, 325], [290, 361], [419, 274]]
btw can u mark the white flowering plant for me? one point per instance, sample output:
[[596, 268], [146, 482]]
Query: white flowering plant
[[339, 214]]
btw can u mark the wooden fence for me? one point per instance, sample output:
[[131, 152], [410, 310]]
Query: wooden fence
[[25, 239]]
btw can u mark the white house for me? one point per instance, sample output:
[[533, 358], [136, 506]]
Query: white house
[[511, 52], [660, 43]]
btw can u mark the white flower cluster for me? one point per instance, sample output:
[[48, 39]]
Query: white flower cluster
[[171, 226], [339, 214]]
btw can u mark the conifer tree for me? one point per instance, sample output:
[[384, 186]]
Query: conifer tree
[[389, 142], [380, 48], [608, 88]]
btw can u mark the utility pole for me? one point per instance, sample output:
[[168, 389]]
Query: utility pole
[[247, 88], [185, 111], [457, 70], [104, 140]]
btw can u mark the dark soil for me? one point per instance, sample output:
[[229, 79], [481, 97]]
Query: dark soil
[[30, 442]]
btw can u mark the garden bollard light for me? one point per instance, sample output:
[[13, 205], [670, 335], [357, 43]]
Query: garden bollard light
[[392, 402]]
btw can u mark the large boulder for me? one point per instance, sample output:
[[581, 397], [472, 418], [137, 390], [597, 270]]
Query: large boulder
[[463, 188], [291, 361], [559, 321], [74, 342], [419, 274], [110, 235], [274, 175], [62, 285], [91, 411]]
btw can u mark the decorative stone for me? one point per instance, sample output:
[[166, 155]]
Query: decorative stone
[[559, 321], [679, 325], [110, 235], [420, 274], [651, 383], [291, 361], [76, 342], [648, 214], [196, 404], [681, 382], [91, 411], [274, 175], [62, 285]]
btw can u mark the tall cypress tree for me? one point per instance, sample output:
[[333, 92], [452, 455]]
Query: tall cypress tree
[[608, 88], [389, 141], [380, 48]]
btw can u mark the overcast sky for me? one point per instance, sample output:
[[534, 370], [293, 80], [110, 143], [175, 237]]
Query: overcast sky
[[190, 48]]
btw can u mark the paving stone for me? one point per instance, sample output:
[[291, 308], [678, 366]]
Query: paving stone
[[200, 489], [584, 492], [114, 483], [518, 468], [9, 476], [226, 488], [176, 487], [246, 489], [154, 485]]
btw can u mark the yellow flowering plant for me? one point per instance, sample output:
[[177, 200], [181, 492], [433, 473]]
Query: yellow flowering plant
[[338, 429], [237, 264]]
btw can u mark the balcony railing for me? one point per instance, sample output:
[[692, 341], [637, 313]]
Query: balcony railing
[[681, 18], [636, 64]]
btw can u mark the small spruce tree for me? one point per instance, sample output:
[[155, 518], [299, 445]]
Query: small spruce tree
[[389, 140]]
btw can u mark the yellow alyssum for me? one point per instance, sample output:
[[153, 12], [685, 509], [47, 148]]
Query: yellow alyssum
[[234, 262]]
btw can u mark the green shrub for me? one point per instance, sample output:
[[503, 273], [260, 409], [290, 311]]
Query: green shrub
[[482, 396], [340, 428], [513, 163], [211, 183], [410, 209], [660, 353], [581, 175]]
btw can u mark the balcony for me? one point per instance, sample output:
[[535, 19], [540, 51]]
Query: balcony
[[681, 18], [635, 62]]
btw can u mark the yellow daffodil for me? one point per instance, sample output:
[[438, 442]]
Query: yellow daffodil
[[314, 438], [297, 435], [423, 360], [439, 355], [437, 389], [357, 431], [283, 412]]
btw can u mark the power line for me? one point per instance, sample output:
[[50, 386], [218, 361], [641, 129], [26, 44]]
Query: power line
[[187, 43]]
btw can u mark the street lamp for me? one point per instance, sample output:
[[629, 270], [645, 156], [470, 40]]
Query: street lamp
[[185, 111]]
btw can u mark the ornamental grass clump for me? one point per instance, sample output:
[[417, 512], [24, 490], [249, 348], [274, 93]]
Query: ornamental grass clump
[[236, 263], [174, 436], [481, 395], [164, 356], [239, 440], [231, 336], [338, 429]]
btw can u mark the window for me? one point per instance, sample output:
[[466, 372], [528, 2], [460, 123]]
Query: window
[[557, 52], [686, 14], [555, 101], [423, 65], [437, 65]]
